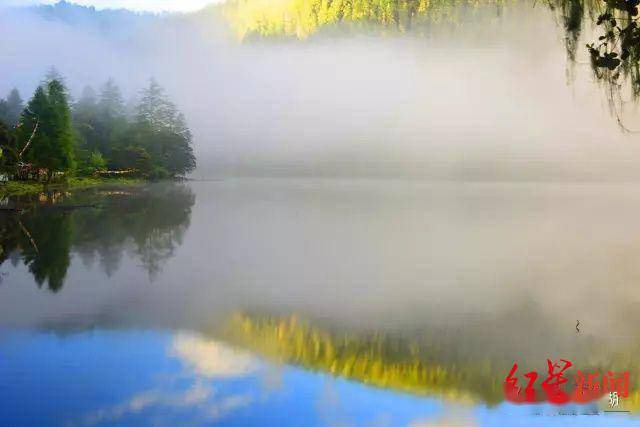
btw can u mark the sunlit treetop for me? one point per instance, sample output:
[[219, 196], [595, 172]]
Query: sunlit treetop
[[302, 18]]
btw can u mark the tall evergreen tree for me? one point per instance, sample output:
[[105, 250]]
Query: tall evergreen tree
[[155, 109], [87, 105], [61, 130], [53, 74], [15, 105], [167, 137], [85, 119], [112, 122], [52, 145], [111, 101]]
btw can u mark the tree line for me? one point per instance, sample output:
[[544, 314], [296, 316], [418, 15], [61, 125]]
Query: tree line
[[146, 224], [302, 18], [384, 360], [52, 136]]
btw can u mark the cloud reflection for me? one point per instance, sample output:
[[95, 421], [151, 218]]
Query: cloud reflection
[[210, 358], [198, 394], [206, 360]]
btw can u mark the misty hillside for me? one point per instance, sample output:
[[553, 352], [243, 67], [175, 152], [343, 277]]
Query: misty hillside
[[116, 24], [103, 20]]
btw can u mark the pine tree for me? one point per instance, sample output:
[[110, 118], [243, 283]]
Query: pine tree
[[85, 120], [111, 123], [87, 104], [179, 152], [53, 74], [111, 101], [155, 108], [52, 146], [97, 131], [165, 134], [61, 130], [35, 118], [15, 105]]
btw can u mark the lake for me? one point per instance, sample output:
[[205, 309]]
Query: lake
[[313, 301]]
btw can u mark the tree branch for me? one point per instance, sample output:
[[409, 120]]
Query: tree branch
[[33, 134]]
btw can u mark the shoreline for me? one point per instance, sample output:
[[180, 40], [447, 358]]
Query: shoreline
[[17, 188]]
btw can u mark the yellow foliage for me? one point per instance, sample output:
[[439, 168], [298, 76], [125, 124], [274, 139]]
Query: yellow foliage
[[380, 360], [301, 18], [369, 360]]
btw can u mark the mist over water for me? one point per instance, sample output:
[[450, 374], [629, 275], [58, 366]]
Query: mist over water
[[486, 99], [490, 261], [410, 212]]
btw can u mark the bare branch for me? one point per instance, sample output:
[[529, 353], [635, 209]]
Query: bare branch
[[26, 232], [33, 134]]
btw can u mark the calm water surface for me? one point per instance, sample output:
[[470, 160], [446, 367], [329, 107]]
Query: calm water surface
[[312, 302]]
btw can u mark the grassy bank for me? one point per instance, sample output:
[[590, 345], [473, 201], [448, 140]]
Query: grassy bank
[[14, 188]]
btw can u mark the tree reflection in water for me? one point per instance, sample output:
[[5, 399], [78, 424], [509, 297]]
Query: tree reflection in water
[[432, 362], [44, 230]]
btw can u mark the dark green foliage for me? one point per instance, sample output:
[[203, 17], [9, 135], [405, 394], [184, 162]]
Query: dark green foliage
[[52, 146], [157, 144], [163, 132], [91, 163], [61, 130], [38, 113], [6, 137], [4, 111], [96, 134], [100, 124], [132, 157], [47, 253], [8, 150]]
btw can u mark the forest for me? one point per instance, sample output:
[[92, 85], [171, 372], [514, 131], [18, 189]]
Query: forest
[[52, 137], [302, 18]]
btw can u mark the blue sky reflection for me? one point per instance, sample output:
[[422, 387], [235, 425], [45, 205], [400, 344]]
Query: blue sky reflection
[[156, 378]]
